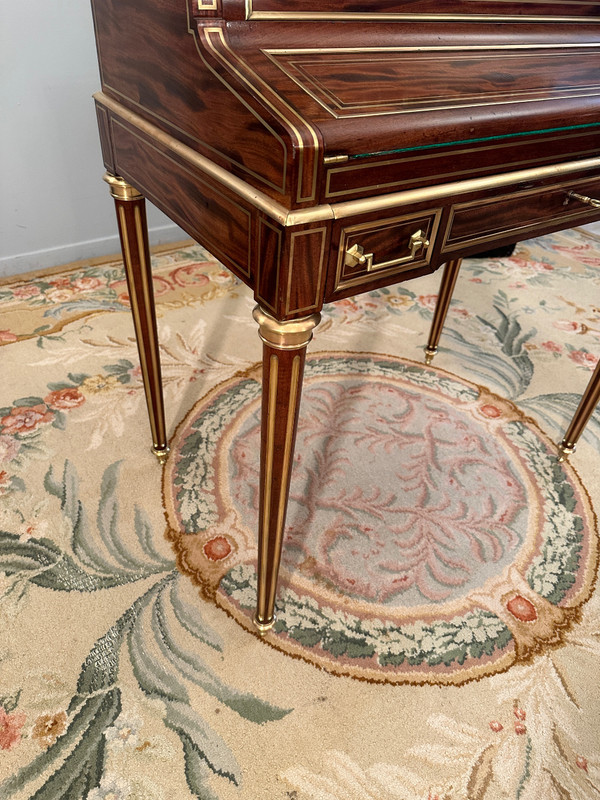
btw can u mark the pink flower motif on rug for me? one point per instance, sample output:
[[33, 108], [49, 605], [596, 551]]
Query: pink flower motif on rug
[[10, 729], [25, 419]]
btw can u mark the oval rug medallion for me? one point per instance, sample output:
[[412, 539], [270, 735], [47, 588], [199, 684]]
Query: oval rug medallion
[[431, 534]]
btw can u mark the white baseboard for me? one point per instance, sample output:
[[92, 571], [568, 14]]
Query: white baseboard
[[94, 248]]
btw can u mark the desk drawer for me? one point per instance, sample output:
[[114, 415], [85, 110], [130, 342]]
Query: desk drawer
[[529, 211], [386, 247]]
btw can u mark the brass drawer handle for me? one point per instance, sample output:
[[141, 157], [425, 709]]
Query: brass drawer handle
[[589, 201], [356, 255]]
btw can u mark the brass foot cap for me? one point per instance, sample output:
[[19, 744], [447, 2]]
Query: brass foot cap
[[161, 453], [263, 627], [429, 354], [565, 450]]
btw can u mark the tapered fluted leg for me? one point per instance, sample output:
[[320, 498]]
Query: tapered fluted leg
[[284, 351], [586, 407], [131, 217], [449, 277]]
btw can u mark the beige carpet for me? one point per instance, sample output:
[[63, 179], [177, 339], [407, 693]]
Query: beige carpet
[[438, 634]]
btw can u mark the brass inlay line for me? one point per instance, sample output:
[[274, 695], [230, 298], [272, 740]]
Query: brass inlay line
[[276, 230], [147, 292], [450, 244], [434, 193], [269, 451], [287, 121], [201, 142], [491, 168], [338, 109], [136, 311], [379, 16], [285, 466], [251, 110], [293, 237], [429, 48]]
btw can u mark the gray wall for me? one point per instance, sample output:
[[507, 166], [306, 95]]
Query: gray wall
[[54, 206]]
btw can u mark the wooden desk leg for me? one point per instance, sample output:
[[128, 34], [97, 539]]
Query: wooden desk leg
[[133, 230], [284, 351], [449, 277], [586, 407]]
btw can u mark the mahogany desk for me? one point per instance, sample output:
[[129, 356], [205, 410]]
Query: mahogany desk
[[325, 149]]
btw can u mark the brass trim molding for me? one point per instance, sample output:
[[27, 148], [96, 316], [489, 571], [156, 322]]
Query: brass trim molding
[[287, 335], [348, 208], [120, 189]]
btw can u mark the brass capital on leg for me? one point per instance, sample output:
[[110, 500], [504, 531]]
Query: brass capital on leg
[[120, 189], [284, 350], [287, 335]]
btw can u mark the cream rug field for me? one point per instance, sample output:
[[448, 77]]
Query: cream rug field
[[438, 631]]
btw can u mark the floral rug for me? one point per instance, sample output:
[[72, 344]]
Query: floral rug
[[438, 630]]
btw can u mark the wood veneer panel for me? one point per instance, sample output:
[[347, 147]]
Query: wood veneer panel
[[151, 62], [424, 167], [206, 211], [372, 82]]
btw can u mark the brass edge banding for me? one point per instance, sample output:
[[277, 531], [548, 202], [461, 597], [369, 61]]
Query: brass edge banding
[[348, 208], [253, 196], [120, 189], [431, 193], [288, 334]]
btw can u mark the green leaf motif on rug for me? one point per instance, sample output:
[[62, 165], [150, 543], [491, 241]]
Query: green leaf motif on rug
[[554, 571], [444, 642], [162, 633]]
